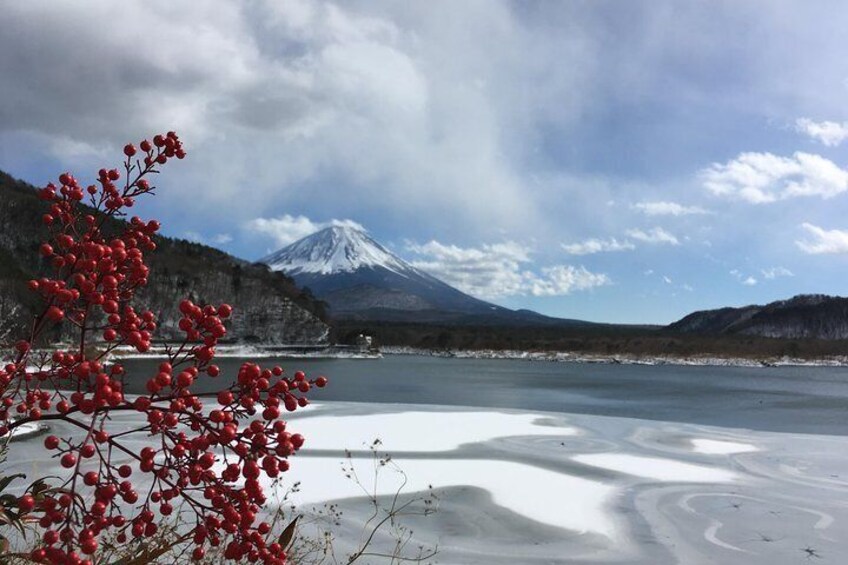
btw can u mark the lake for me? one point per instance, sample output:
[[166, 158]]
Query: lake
[[782, 399], [542, 462]]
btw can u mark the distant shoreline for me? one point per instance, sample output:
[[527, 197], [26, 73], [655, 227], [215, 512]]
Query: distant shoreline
[[230, 351], [342, 352], [619, 359]]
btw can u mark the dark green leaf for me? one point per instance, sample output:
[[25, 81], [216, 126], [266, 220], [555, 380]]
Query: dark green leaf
[[287, 536], [4, 482]]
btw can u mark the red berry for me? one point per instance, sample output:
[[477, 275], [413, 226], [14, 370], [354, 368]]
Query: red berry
[[89, 546], [51, 442], [55, 314], [26, 503], [129, 149], [68, 460]]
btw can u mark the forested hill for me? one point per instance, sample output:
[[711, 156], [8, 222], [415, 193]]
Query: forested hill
[[807, 316], [269, 307]]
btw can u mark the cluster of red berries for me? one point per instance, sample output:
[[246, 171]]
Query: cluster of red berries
[[209, 459]]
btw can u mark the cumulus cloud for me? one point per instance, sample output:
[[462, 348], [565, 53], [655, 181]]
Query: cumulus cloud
[[776, 272], [829, 133], [216, 239], [595, 245], [821, 241], [761, 178], [287, 229], [498, 270], [564, 279], [370, 103], [746, 280], [664, 208], [655, 235]]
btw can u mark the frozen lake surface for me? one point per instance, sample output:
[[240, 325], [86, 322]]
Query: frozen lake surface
[[557, 463]]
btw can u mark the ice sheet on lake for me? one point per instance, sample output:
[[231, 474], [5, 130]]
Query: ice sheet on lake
[[545, 496], [420, 431]]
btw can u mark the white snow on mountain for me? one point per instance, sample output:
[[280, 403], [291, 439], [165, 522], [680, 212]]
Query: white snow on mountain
[[337, 249]]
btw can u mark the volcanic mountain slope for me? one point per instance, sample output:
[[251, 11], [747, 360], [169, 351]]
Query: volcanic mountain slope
[[360, 279], [809, 316]]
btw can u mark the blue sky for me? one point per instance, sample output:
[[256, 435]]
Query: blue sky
[[612, 161]]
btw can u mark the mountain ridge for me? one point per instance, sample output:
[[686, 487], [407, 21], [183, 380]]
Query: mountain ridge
[[804, 316]]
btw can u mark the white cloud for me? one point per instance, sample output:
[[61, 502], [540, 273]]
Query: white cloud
[[590, 246], [761, 178], [564, 279], [822, 241], [746, 280], [664, 208], [829, 133], [498, 270], [776, 272], [287, 229], [667, 280], [217, 239], [594, 245], [654, 235], [369, 103]]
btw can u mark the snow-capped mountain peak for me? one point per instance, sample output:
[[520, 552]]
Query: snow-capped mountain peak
[[336, 249], [360, 279]]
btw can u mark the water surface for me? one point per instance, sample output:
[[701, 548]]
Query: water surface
[[783, 399]]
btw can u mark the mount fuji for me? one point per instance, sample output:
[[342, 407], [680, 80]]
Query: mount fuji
[[362, 280]]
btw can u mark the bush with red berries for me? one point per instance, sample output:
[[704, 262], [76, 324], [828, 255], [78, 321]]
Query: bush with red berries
[[206, 455]]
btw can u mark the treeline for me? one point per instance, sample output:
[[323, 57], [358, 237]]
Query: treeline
[[596, 340]]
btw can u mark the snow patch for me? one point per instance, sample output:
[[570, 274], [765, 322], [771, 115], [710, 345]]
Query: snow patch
[[720, 447], [557, 499], [419, 431]]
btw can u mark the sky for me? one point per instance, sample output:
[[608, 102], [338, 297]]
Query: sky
[[602, 160]]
